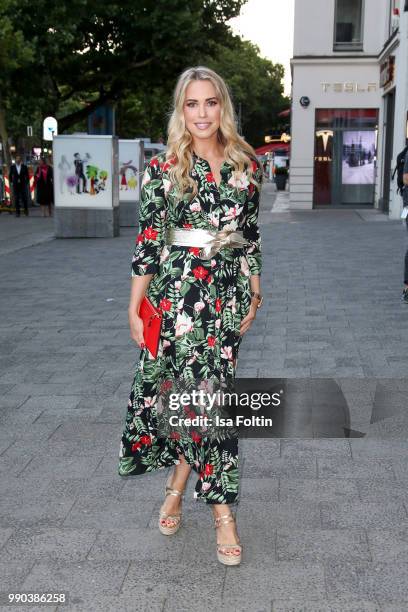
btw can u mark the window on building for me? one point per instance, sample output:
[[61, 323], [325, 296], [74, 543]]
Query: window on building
[[348, 25]]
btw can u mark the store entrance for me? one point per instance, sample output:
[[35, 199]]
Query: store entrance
[[354, 168], [345, 158]]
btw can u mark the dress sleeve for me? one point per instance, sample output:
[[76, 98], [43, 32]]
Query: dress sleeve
[[250, 227], [152, 216]]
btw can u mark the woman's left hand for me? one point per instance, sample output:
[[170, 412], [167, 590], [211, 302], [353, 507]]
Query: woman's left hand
[[246, 321]]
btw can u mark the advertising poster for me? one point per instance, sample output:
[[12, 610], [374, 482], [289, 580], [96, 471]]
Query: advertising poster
[[358, 157], [83, 171]]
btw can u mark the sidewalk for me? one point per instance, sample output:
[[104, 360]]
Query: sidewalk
[[324, 522], [21, 232]]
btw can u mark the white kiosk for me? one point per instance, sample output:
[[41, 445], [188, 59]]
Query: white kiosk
[[131, 168], [86, 187]]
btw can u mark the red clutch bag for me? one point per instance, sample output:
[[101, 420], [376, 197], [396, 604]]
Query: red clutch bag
[[152, 322]]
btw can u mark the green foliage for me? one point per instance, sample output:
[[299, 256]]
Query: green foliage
[[281, 170], [255, 83], [65, 59]]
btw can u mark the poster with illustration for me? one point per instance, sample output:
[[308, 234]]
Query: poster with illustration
[[83, 167], [130, 169]]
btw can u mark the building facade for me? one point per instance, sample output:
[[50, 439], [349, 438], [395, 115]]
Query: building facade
[[349, 101]]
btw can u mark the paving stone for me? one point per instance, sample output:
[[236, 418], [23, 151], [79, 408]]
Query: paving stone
[[49, 543], [130, 543], [379, 489], [355, 468], [389, 545], [280, 466], [60, 466], [77, 579], [100, 512], [365, 448], [321, 544], [316, 490], [382, 582], [278, 514], [181, 582], [363, 514], [325, 606], [313, 448], [276, 580]]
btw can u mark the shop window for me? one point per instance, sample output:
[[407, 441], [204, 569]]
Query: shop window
[[348, 25], [345, 158]]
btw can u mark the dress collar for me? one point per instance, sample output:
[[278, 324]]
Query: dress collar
[[196, 158]]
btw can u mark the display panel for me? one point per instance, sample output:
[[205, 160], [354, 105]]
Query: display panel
[[83, 171]]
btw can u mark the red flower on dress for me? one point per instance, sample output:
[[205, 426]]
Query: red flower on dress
[[208, 469], [150, 233], [187, 225], [136, 446], [140, 238], [168, 164], [174, 435], [210, 177], [217, 305], [165, 304], [196, 437], [200, 272], [202, 474], [194, 250], [211, 340], [146, 440], [166, 385], [154, 162], [209, 279]]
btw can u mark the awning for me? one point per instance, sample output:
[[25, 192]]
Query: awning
[[271, 146]]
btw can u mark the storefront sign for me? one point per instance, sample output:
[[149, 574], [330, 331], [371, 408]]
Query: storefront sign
[[348, 87], [387, 71]]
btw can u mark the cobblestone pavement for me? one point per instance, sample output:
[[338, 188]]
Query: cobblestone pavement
[[323, 522]]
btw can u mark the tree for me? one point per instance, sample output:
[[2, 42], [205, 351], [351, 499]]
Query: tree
[[15, 53], [255, 84], [91, 52]]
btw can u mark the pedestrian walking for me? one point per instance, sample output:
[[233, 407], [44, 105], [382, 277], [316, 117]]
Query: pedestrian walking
[[44, 183], [19, 179], [198, 259], [405, 205]]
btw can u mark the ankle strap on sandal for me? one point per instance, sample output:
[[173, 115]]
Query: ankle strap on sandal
[[175, 492], [224, 519]]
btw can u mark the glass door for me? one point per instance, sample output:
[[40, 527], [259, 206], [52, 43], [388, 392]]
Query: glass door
[[354, 180], [345, 157]]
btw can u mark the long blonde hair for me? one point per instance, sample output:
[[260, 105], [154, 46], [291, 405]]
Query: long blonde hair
[[237, 151]]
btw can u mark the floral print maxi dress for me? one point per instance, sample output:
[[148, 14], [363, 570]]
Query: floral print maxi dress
[[203, 303]]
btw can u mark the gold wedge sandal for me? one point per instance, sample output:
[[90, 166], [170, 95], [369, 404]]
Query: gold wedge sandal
[[175, 518], [227, 558]]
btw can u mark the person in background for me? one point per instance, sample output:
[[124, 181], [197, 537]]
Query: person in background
[[19, 180], [405, 203], [44, 183]]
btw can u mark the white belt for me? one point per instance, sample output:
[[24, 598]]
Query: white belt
[[210, 242]]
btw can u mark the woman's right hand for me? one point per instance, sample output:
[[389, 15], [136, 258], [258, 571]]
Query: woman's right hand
[[136, 328]]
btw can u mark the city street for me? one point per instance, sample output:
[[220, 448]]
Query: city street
[[323, 522]]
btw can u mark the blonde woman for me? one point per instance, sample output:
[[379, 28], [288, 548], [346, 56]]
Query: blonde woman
[[197, 258]]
